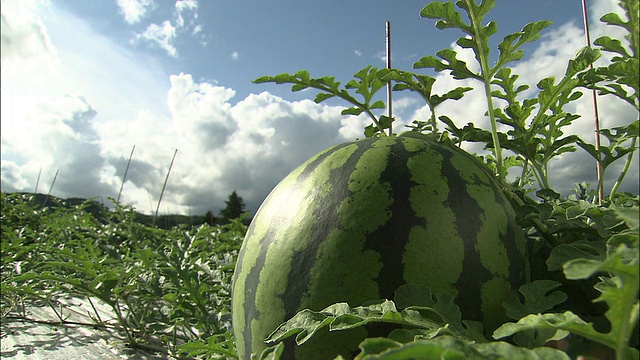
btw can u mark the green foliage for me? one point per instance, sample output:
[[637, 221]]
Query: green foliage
[[584, 256], [620, 79], [537, 299], [536, 140], [216, 347], [367, 82], [423, 85], [534, 126], [171, 287], [427, 332], [166, 287], [476, 37]]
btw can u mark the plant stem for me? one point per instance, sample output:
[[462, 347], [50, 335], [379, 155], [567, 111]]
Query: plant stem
[[487, 74], [124, 177], [153, 222], [525, 167], [625, 168], [596, 118], [348, 99], [541, 175], [375, 120], [57, 323], [434, 123], [95, 310], [59, 315], [123, 323]]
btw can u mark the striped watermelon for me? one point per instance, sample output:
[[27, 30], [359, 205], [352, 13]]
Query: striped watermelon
[[359, 220]]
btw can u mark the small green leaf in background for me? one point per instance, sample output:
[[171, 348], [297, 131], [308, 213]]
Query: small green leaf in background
[[630, 217], [448, 347], [611, 45], [214, 347], [447, 15], [592, 250], [548, 195], [508, 49], [419, 349], [538, 297], [367, 82], [270, 353], [420, 295], [560, 323], [377, 345], [503, 350], [448, 61], [619, 290]]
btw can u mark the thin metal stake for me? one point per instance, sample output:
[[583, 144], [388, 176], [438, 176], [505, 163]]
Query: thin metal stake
[[595, 111], [50, 188], [124, 177], [35, 191], [153, 223], [389, 100]]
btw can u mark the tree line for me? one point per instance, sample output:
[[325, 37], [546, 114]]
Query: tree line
[[234, 208]]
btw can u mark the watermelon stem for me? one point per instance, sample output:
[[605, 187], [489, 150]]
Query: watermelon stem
[[486, 74]]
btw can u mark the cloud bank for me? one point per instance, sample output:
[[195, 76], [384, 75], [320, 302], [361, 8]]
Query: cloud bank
[[85, 123]]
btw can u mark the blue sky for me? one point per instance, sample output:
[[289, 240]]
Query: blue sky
[[85, 81], [237, 42]]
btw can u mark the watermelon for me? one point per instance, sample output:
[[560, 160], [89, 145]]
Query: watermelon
[[360, 219]]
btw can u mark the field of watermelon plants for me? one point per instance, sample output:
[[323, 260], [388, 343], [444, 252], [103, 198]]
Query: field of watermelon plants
[[166, 287], [171, 289]]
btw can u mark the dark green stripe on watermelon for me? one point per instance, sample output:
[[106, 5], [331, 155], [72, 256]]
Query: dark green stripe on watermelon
[[467, 228], [361, 219], [304, 260]]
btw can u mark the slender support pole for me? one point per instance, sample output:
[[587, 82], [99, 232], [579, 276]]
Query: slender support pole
[[153, 223], [389, 100], [50, 189], [35, 191], [595, 111], [124, 177]]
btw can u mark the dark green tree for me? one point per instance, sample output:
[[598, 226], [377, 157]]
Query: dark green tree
[[235, 207], [208, 218]]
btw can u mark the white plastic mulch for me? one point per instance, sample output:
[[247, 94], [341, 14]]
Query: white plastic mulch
[[20, 339]]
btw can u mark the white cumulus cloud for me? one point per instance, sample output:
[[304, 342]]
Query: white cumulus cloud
[[182, 5], [183, 21], [84, 118], [162, 35], [62, 129], [248, 146], [186, 5], [134, 10], [25, 39]]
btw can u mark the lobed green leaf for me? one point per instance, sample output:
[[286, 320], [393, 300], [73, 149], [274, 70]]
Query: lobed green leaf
[[539, 297], [420, 295], [447, 347], [445, 13]]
